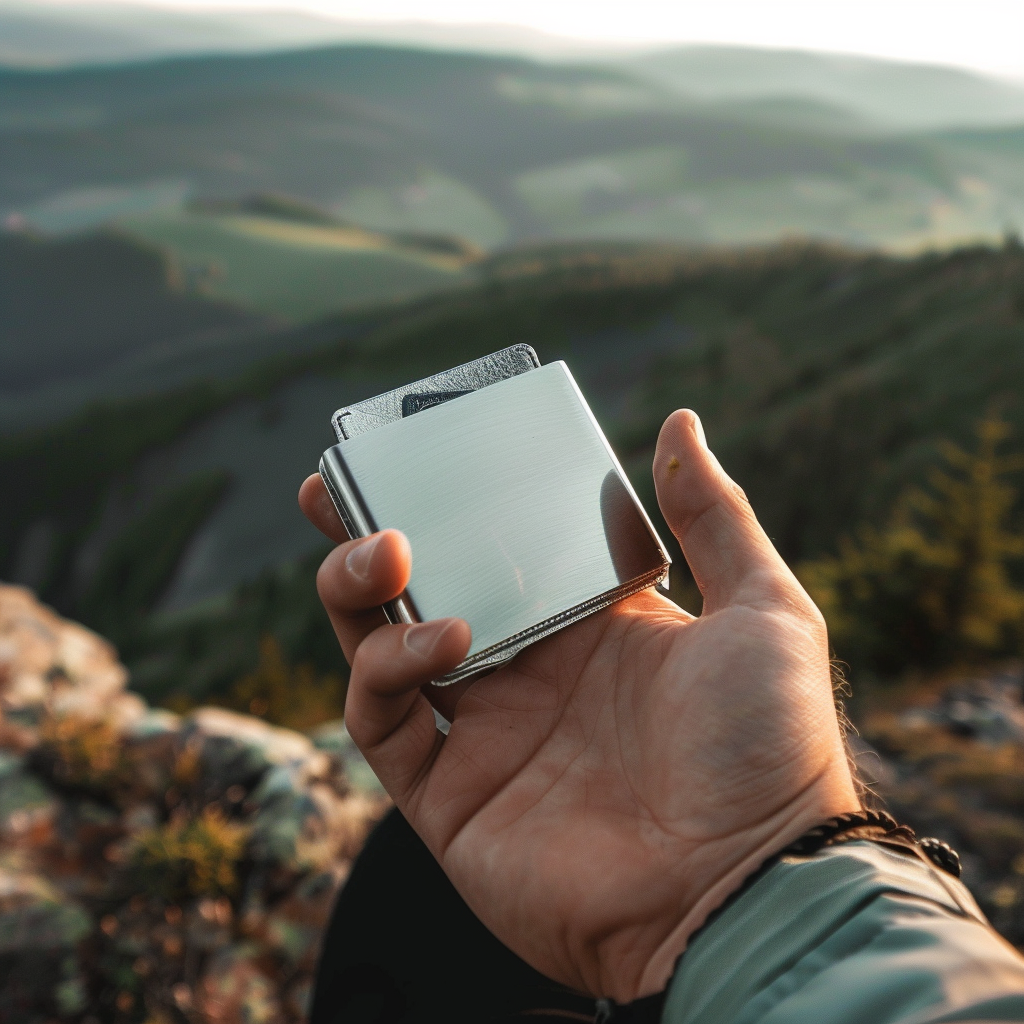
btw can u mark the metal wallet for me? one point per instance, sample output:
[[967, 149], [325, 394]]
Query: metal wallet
[[520, 518]]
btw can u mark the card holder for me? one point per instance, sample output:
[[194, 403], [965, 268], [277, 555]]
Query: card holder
[[520, 518]]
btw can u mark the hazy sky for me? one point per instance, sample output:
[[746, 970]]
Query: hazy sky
[[986, 34]]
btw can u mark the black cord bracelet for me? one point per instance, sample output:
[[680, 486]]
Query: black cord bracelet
[[848, 828], [877, 826], [874, 826]]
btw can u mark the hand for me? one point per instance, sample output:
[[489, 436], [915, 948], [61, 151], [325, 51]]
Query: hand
[[596, 798]]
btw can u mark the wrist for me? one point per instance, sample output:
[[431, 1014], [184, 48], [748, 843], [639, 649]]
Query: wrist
[[728, 864]]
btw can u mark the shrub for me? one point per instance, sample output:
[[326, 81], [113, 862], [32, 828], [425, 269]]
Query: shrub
[[82, 753], [296, 696], [190, 856]]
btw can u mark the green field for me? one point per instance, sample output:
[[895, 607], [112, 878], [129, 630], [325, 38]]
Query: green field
[[433, 203], [295, 271]]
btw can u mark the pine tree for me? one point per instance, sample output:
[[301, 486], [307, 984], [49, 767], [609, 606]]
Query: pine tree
[[934, 587]]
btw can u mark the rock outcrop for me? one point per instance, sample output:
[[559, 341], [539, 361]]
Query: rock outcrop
[[157, 867], [181, 870], [949, 761]]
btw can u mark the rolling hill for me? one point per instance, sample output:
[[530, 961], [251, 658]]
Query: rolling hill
[[204, 256], [502, 149], [81, 305], [198, 294], [295, 270], [900, 96]]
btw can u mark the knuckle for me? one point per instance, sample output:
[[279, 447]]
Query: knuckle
[[378, 655], [364, 667], [357, 725], [739, 494], [327, 580]]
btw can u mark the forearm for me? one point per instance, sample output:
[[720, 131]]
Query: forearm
[[856, 934]]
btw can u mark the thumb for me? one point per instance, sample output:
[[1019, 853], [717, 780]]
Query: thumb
[[731, 557]]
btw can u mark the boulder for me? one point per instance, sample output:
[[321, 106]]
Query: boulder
[[236, 749], [39, 932], [49, 665], [305, 824], [103, 800]]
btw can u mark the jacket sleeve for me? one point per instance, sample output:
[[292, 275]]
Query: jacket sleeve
[[855, 934]]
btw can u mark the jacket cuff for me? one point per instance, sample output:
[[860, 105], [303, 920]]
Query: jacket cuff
[[789, 911]]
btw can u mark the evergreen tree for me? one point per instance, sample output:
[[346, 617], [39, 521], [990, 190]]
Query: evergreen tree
[[934, 587]]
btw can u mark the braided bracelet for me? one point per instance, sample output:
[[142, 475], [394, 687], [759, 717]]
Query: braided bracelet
[[877, 826]]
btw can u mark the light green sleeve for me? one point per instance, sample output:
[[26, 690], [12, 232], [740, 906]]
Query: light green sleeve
[[855, 934]]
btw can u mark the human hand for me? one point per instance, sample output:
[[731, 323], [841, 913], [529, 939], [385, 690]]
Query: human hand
[[598, 796]]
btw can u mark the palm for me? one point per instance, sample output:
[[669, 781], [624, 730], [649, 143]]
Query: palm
[[596, 798], [605, 747]]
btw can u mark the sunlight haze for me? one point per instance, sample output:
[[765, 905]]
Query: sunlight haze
[[984, 35]]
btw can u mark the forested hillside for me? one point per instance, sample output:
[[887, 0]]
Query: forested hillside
[[82, 304], [824, 377]]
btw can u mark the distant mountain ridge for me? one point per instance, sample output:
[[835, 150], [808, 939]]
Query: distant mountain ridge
[[501, 150], [899, 95], [903, 94], [54, 35], [432, 159]]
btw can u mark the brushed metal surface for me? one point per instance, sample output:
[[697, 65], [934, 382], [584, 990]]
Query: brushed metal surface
[[519, 516]]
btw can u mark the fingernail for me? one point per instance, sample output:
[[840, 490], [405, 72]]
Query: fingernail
[[357, 561], [422, 639]]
